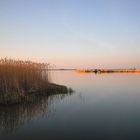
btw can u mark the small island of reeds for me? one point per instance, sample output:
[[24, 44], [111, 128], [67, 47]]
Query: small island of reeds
[[23, 81]]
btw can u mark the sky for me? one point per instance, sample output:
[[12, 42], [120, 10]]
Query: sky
[[72, 33]]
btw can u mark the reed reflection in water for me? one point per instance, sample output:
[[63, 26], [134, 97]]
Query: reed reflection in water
[[14, 117]]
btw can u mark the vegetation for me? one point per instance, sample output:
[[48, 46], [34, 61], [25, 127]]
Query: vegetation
[[108, 70], [21, 79]]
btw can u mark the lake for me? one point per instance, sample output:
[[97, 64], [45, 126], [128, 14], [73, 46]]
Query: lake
[[103, 106]]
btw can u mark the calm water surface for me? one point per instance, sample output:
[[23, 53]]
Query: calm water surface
[[105, 106]]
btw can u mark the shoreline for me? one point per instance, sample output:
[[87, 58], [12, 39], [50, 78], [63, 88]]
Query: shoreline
[[99, 71], [31, 96]]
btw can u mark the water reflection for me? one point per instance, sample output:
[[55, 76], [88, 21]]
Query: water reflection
[[102, 107], [14, 117]]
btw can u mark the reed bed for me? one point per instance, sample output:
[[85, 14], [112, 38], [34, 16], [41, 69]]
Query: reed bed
[[21, 78]]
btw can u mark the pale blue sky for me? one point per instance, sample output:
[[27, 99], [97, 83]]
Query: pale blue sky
[[72, 33]]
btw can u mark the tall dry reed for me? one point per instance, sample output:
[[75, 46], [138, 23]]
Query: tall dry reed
[[17, 76]]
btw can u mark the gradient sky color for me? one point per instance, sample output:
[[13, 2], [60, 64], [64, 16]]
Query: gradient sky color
[[72, 33]]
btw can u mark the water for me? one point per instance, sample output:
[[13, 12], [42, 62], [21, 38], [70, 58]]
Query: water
[[104, 106]]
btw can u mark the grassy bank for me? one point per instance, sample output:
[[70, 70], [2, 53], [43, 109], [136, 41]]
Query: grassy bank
[[21, 81]]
